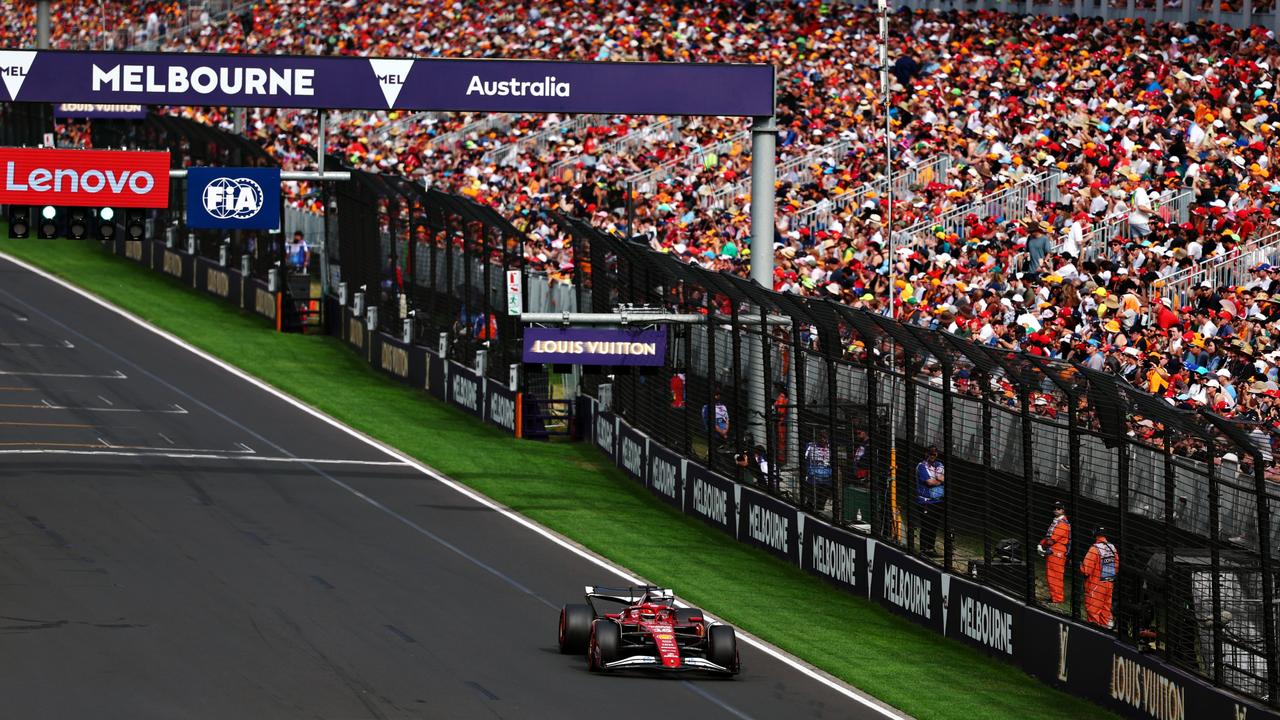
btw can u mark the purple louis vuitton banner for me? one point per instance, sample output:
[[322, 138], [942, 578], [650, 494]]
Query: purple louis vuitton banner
[[384, 83], [583, 346], [99, 111]]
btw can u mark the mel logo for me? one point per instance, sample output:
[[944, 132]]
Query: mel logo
[[232, 198], [14, 65], [391, 75]]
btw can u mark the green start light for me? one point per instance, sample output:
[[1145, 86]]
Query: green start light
[[107, 214], [49, 212]]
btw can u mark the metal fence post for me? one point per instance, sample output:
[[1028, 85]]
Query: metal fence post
[[948, 547], [1268, 589], [1215, 560], [1168, 539], [1073, 451], [985, 380], [1028, 472]]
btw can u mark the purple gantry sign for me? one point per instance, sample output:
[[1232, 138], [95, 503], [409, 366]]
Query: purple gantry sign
[[385, 83], [589, 346]]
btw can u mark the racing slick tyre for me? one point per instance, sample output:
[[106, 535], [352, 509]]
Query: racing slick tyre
[[722, 647], [606, 637], [685, 616], [575, 628]]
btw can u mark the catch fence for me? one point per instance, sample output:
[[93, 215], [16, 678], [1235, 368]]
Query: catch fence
[[834, 409]]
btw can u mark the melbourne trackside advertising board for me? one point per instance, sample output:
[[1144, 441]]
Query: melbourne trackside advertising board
[[711, 498], [1092, 664], [84, 178], [217, 280], [604, 432], [233, 198], [99, 111], [595, 346], [631, 451], [981, 617], [502, 407], [189, 79], [466, 389], [666, 475], [769, 524], [834, 554], [907, 587]]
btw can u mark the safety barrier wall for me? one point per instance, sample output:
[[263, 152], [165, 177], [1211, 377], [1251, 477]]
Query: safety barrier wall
[[1058, 651], [226, 283], [425, 369]]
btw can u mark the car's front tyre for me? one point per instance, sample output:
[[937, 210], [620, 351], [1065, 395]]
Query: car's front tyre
[[606, 638], [722, 648]]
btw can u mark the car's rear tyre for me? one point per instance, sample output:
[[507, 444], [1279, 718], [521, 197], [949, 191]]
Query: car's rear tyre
[[722, 647], [606, 638], [686, 616], [575, 628]]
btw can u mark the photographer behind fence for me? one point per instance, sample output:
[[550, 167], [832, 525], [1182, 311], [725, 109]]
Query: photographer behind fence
[[756, 462]]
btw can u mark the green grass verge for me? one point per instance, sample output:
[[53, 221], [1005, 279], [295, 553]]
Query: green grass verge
[[569, 488]]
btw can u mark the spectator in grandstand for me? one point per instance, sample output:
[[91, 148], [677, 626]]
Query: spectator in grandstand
[[930, 495], [1100, 567], [1055, 547]]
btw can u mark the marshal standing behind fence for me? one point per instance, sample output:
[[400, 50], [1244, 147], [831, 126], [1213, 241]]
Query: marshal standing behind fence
[[931, 477]]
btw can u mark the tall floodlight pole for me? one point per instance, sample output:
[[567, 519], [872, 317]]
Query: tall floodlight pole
[[893, 520], [888, 148], [764, 140]]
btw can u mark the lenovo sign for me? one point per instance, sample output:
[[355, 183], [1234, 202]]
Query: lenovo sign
[[84, 178]]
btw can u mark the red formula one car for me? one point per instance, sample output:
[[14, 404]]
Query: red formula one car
[[648, 632]]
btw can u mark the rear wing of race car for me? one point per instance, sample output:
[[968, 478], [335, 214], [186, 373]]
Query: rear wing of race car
[[629, 595]]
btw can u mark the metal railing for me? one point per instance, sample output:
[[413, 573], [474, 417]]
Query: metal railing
[[818, 215], [1149, 11], [1229, 269], [797, 170], [549, 136], [663, 131], [1012, 203], [697, 157], [487, 122]]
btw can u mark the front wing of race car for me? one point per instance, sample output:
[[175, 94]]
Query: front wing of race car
[[652, 662]]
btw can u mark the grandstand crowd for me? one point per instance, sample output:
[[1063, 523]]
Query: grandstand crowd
[[1111, 122]]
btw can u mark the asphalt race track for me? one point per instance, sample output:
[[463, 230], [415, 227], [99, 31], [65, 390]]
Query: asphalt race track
[[290, 570]]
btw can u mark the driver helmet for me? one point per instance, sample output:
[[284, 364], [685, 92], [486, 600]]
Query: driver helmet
[[648, 613]]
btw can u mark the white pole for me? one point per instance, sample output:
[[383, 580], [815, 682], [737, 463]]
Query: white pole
[[764, 140]]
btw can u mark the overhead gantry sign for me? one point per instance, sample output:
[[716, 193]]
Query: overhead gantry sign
[[449, 85]]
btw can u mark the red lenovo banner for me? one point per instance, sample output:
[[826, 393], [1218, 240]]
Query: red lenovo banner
[[84, 178]]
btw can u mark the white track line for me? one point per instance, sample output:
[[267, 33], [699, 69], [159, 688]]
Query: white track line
[[46, 405], [65, 344], [794, 663], [117, 375], [111, 451]]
